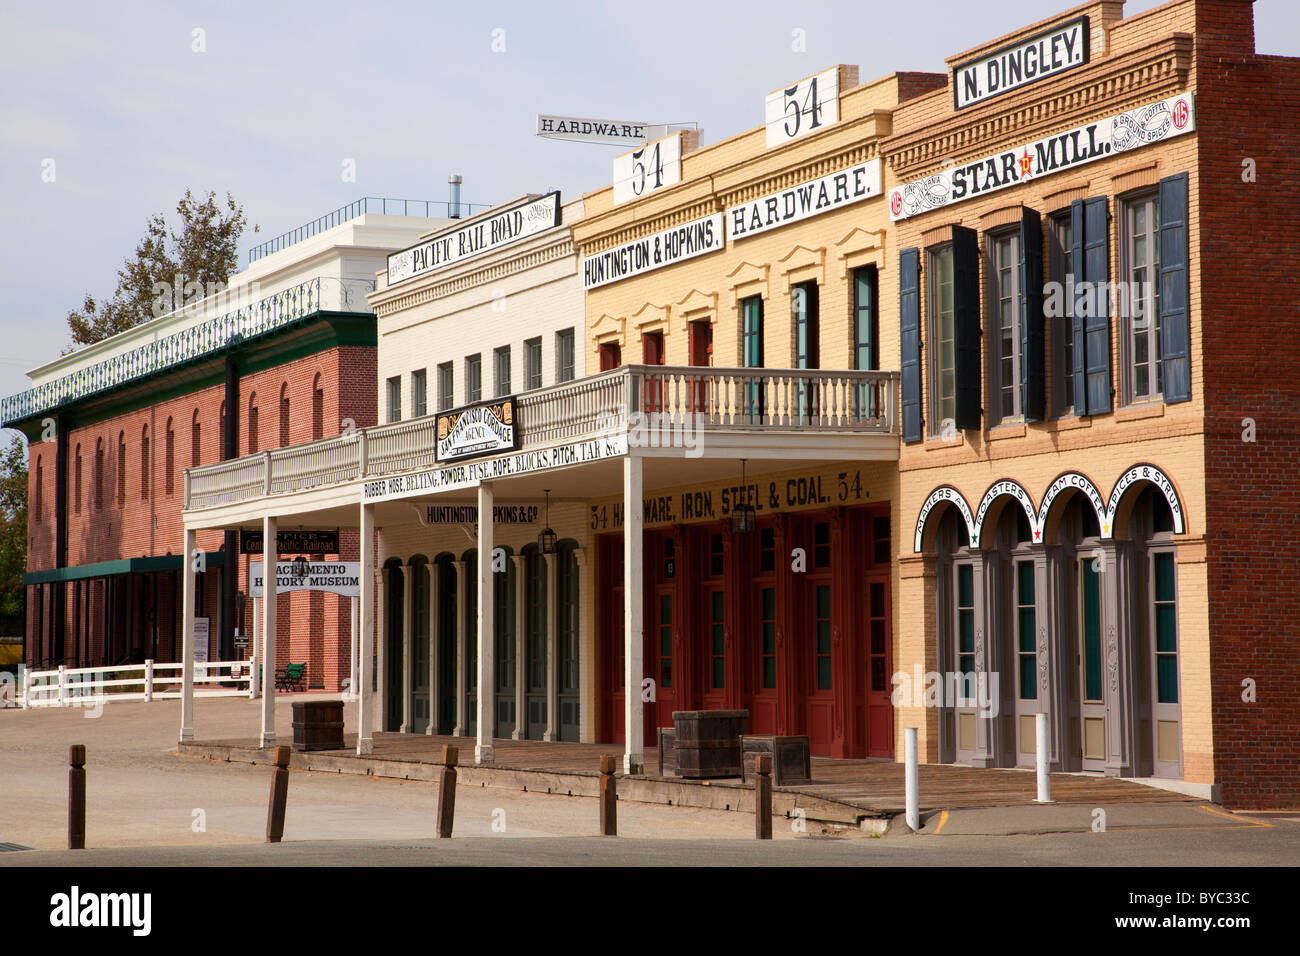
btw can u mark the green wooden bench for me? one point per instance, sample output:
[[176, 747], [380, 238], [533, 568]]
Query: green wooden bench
[[291, 677]]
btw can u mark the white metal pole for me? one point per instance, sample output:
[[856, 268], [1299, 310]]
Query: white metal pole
[[63, 685], [913, 777], [354, 667], [188, 584], [270, 553], [148, 680], [1043, 758], [255, 687]]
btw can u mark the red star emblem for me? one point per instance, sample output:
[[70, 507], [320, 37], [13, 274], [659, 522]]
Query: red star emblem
[[1026, 164]]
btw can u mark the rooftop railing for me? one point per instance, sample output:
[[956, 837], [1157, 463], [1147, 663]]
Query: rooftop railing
[[372, 204], [604, 405], [204, 338]]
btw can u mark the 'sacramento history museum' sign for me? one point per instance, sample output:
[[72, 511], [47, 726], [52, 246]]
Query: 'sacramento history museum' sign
[[337, 577], [1052, 52], [481, 235], [1133, 129]]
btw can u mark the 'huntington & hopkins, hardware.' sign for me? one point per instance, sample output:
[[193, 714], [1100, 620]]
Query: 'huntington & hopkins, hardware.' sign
[[1049, 53], [478, 236], [1152, 123], [806, 199], [664, 248], [483, 429]]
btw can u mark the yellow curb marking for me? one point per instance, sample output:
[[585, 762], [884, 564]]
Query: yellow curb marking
[[943, 818], [1232, 816]]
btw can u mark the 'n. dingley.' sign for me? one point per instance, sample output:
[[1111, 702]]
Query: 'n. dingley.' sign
[[1051, 52], [489, 231], [1152, 123], [483, 429]]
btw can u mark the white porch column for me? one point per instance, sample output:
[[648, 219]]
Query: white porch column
[[187, 636], [521, 699], [552, 666], [366, 602], [270, 551], [434, 638], [257, 648], [354, 611], [633, 634], [381, 652], [586, 656], [462, 600], [408, 631], [486, 644]]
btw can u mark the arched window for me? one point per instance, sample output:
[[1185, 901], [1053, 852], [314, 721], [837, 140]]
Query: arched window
[[252, 423], [99, 474], [317, 409], [144, 463], [284, 414], [170, 455], [121, 469], [196, 441]]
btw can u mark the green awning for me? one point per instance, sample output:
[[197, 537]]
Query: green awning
[[105, 569]]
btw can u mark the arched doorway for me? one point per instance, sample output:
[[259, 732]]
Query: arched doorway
[[394, 647], [417, 574], [567, 633], [535, 662], [448, 601]]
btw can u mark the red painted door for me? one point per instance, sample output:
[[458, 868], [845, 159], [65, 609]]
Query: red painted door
[[611, 356], [878, 657], [701, 346], [660, 634], [815, 650], [611, 633], [652, 353]]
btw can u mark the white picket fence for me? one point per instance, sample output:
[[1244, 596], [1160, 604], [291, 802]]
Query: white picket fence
[[152, 680]]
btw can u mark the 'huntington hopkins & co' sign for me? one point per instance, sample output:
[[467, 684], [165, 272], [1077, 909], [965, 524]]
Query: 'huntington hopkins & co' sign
[[655, 251], [1152, 123], [483, 429], [489, 231], [1049, 53], [806, 199]]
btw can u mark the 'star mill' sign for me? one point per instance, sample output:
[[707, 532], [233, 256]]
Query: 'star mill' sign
[[478, 236]]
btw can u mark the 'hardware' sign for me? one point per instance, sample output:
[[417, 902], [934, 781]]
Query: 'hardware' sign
[[488, 232], [1048, 54], [1134, 129], [609, 132], [483, 429], [804, 200]]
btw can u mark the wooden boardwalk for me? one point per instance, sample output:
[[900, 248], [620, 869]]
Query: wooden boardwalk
[[873, 786]]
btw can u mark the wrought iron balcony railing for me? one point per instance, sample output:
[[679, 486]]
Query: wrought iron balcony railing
[[604, 405], [269, 314], [372, 204]]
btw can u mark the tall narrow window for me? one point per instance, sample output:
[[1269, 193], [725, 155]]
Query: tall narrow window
[[40, 481], [611, 356], [1141, 297], [395, 399], [144, 463], [196, 440], [284, 415], [1165, 626], [767, 626], [822, 622], [717, 639], [804, 312], [864, 318], [419, 394], [665, 640], [317, 409], [501, 370], [99, 474], [532, 364], [76, 483], [473, 378], [943, 350], [169, 459], [564, 355], [1026, 628], [1004, 273], [252, 424], [1060, 314], [751, 312], [121, 469], [446, 386], [965, 619]]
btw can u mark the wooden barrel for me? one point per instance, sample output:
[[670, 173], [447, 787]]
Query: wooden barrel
[[317, 725], [708, 742]]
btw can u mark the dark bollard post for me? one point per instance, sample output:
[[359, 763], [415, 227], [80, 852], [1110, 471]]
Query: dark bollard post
[[279, 796], [77, 797], [447, 791], [608, 797], [763, 796]]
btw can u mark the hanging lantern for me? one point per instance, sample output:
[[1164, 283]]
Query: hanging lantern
[[300, 567], [744, 517], [546, 540]]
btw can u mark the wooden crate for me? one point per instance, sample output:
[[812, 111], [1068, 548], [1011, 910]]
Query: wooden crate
[[791, 758], [708, 742]]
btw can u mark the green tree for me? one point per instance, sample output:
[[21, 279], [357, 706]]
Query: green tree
[[167, 269], [13, 537]]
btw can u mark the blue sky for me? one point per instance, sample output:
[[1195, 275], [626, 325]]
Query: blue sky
[[286, 92]]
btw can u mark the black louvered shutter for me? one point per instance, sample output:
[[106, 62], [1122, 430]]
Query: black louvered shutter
[[1175, 317], [966, 324], [1033, 361], [1096, 325], [1078, 307], [909, 338]]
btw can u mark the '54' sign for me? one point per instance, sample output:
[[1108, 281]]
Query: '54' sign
[[653, 166], [805, 107]]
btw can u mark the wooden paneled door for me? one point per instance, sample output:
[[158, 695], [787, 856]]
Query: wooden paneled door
[[610, 549], [659, 636], [701, 348], [878, 656]]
